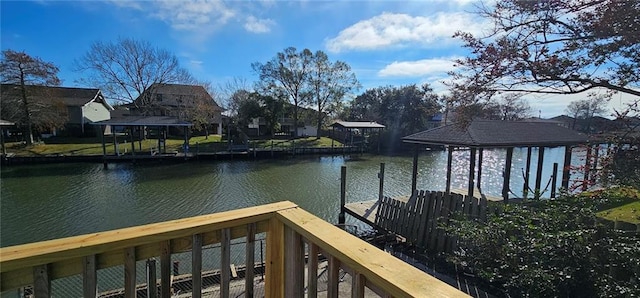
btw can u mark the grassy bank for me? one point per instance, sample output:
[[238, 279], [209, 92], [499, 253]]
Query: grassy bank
[[93, 146]]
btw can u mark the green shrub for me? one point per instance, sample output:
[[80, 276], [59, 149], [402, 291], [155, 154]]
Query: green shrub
[[550, 248]]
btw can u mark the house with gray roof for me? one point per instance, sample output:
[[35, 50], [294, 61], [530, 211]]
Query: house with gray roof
[[185, 102], [84, 106]]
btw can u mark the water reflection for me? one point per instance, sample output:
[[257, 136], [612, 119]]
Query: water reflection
[[52, 201]]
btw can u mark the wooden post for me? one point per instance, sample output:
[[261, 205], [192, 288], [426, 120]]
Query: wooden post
[[596, 153], [275, 270], [41, 281], [472, 170], [381, 178], [4, 148], [527, 175], [539, 172], [89, 276], [165, 269], [343, 194], [294, 262], [479, 178], [130, 272], [152, 280], [587, 169], [116, 151], [225, 262], [566, 168], [414, 172], [554, 180], [507, 175], [250, 260], [312, 271], [449, 161], [104, 147], [133, 144], [334, 275]]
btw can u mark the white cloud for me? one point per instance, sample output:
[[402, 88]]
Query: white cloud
[[195, 16], [393, 30], [418, 68], [256, 25]]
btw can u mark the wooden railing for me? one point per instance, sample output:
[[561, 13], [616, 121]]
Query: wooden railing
[[294, 238]]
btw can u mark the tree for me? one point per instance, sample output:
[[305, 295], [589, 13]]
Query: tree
[[404, 110], [127, 67], [287, 73], [556, 47], [25, 101], [329, 83], [585, 110], [513, 107]]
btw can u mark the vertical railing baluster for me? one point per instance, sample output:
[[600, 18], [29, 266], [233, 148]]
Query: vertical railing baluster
[[89, 277], [196, 266], [225, 274], [357, 285], [294, 263], [250, 259], [152, 286], [41, 281], [274, 282], [130, 272], [165, 269], [312, 273], [334, 276]]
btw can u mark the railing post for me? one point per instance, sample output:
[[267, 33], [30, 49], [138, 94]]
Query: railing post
[[294, 263], [165, 269], [250, 260], [89, 276], [274, 280], [357, 285], [312, 274], [152, 286], [225, 262], [130, 272], [41, 281], [334, 276], [196, 266]]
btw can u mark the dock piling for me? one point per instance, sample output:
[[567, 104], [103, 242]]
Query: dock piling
[[343, 193]]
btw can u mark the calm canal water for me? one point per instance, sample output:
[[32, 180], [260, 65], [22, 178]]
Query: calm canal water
[[41, 202]]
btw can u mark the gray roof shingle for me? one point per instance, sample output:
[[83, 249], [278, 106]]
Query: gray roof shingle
[[496, 133]]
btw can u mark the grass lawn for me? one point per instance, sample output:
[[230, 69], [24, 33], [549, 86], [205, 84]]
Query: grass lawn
[[629, 212], [623, 203], [93, 146]]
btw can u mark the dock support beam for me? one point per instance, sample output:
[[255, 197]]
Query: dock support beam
[[381, 177], [343, 194], [479, 178], [539, 172], [449, 161], [472, 170], [527, 175], [566, 167], [414, 173], [507, 175]]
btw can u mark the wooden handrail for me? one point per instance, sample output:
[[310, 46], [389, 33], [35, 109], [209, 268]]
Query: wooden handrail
[[285, 225], [394, 276]]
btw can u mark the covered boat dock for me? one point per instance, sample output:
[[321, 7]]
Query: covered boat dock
[[482, 134]]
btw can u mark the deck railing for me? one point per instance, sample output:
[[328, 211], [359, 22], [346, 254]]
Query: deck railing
[[294, 240]]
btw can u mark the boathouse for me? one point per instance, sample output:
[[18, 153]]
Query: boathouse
[[483, 134]]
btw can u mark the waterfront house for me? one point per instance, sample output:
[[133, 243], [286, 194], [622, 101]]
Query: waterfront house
[[185, 102], [84, 106]]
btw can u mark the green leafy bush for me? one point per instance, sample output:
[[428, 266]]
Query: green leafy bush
[[550, 248]]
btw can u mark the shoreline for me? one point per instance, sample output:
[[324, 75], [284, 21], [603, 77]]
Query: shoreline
[[180, 157]]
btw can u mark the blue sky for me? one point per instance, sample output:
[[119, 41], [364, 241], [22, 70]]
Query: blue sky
[[385, 42]]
